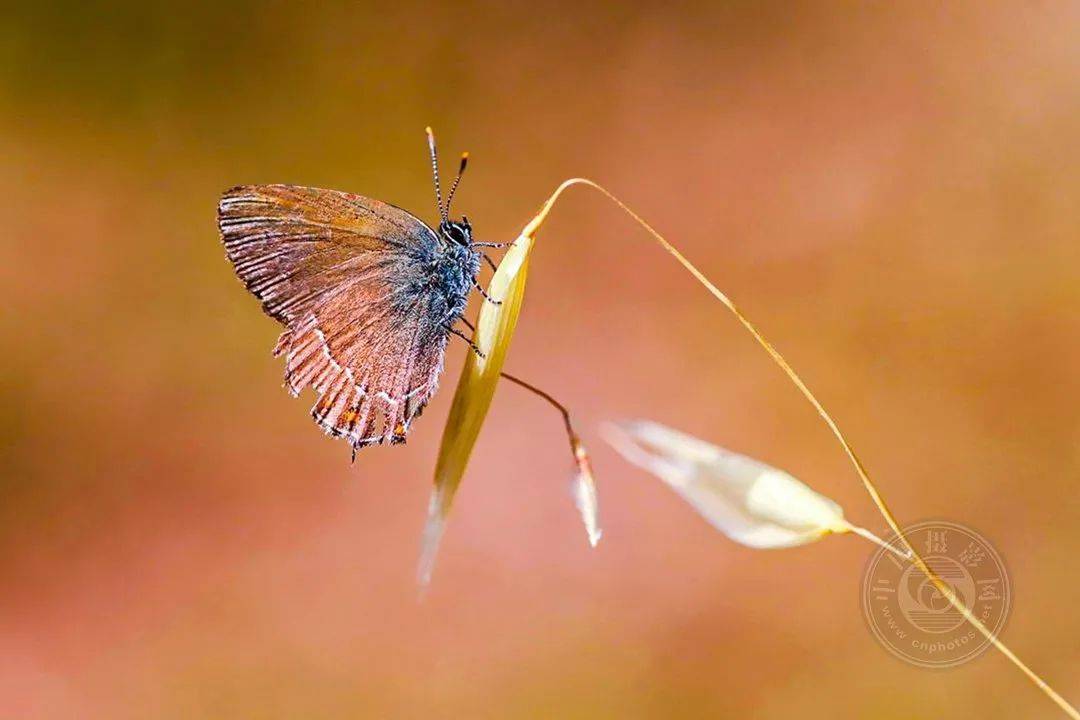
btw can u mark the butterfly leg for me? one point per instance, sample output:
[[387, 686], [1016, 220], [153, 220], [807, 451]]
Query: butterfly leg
[[475, 349], [486, 296], [490, 245], [489, 261]]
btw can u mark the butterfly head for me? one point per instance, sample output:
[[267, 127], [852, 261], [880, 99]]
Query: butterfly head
[[456, 232]]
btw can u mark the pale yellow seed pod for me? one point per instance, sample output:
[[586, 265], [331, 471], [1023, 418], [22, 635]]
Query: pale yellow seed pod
[[752, 503], [476, 386]]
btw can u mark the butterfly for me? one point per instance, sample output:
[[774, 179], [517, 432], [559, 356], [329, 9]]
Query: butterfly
[[368, 295]]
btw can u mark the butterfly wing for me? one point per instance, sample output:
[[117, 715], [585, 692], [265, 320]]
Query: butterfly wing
[[345, 275]]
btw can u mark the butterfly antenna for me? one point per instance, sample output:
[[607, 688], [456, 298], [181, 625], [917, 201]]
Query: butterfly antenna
[[453, 188], [435, 172]]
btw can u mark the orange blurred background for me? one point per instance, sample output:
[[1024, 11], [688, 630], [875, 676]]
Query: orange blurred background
[[888, 190]]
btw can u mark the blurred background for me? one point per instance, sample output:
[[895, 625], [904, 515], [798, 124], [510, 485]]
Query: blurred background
[[888, 190]]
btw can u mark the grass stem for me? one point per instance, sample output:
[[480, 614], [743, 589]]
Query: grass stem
[[860, 469]]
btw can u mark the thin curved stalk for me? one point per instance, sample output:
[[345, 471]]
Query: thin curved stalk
[[860, 469]]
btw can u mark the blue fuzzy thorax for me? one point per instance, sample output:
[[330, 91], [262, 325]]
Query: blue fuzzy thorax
[[440, 276], [453, 275]]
